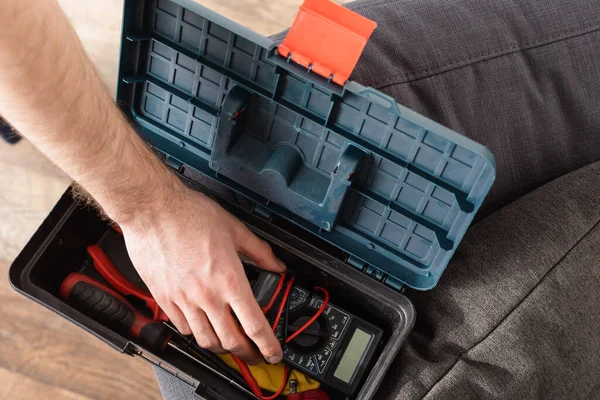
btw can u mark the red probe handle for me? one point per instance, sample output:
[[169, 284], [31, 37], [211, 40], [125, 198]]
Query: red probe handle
[[110, 308], [117, 280]]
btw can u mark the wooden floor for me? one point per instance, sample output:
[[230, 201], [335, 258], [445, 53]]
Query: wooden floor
[[41, 354]]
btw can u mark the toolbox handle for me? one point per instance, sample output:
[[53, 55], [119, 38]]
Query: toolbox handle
[[280, 166]]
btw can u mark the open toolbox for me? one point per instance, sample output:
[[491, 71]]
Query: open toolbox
[[353, 191]]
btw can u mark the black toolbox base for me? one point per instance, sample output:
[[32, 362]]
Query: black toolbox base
[[59, 248]]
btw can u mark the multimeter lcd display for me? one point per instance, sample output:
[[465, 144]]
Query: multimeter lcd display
[[353, 355]]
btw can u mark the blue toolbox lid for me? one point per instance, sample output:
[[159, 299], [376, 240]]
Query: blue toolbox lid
[[393, 189]]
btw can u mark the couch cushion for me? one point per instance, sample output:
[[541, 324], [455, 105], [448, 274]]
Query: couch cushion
[[517, 313]]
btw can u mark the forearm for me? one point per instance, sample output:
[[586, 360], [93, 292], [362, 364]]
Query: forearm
[[51, 93], [183, 245]]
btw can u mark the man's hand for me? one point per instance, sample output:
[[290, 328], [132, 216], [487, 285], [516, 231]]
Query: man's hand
[[187, 255], [183, 245]]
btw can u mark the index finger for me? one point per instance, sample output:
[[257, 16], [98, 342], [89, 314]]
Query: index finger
[[255, 324], [257, 249]]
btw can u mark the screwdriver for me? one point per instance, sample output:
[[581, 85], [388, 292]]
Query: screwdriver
[[108, 307]]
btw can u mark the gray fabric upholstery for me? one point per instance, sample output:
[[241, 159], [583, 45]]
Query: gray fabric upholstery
[[517, 313], [171, 387]]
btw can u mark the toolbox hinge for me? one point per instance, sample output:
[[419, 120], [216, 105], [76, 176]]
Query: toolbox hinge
[[173, 163], [376, 274], [263, 212], [356, 262], [394, 284]]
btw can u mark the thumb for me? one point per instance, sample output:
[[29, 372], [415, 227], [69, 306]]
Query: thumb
[[258, 250]]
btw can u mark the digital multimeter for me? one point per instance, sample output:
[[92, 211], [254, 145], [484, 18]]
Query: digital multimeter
[[336, 349]]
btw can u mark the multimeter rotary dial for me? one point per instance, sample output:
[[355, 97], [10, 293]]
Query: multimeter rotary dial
[[313, 338]]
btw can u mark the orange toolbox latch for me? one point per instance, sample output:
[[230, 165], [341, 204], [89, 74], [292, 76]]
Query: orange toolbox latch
[[327, 39]]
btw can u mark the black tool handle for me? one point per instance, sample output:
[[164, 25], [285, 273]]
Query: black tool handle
[[113, 310]]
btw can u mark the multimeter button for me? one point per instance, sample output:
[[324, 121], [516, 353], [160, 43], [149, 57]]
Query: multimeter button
[[297, 298], [315, 303], [323, 359], [295, 295], [332, 344]]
